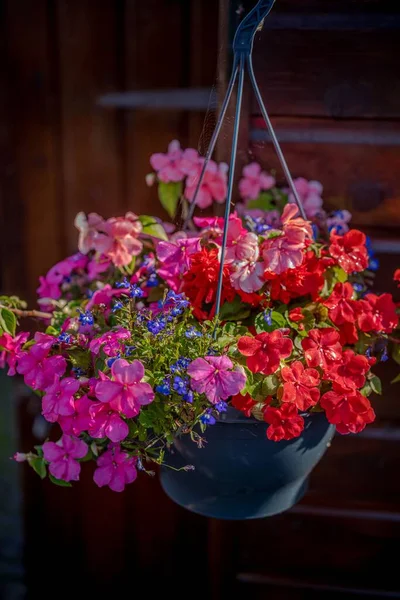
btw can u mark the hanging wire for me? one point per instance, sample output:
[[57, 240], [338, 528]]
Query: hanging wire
[[242, 57]]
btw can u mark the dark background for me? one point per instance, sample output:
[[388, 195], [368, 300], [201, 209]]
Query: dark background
[[330, 78]]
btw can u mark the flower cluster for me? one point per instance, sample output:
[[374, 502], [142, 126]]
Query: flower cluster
[[133, 353]]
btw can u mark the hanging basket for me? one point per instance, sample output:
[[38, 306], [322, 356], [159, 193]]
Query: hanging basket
[[239, 473]]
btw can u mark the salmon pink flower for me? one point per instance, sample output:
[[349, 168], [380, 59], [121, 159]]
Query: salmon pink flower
[[265, 351], [91, 231], [109, 342], [38, 370], [310, 196], [63, 456], [11, 349], [125, 392], [213, 187], [377, 313], [254, 181], [350, 373], [169, 166], [213, 376], [349, 410], [350, 250], [115, 468], [341, 304], [322, 347], [122, 243], [285, 423], [247, 273], [59, 399], [106, 422], [300, 386]]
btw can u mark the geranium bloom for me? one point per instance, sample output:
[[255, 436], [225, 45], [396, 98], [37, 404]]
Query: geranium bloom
[[63, 456], [115, 468], [265, 351], [106, 422], [38, 370], [285, 423], [350, 250], [341, 304], [79, 421], [396, 277], [300, 385], [169, 166], [306, 279], [109, 342], [175, 259], [377, 313], [125, 392], [243, 403], [12, 350], [200, 283], [349, 410], [350, 373], [322, 347], [59, 399], [213, 186], [254, 181], [310, 195], [296, 315], [213, 377]]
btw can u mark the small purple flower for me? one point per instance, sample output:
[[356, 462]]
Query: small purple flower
[[112, 360], [268, 317], [129, 349], [65, 338], [180, 385], [117, 306], [384, 355], [78, 372], [122, 284], [221, 406], [192, 333], [164, 388], [136, 292], [86, 318], [152, 280], [188, 397], [207, 418], [155, 327]]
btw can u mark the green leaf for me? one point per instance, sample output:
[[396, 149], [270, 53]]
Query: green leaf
[[59, 482], [169, 194], [396, 379], [396, 353], [366, 390], [270, 385], [8, 321], [38, 465], [277, 319], [52, 331], [150, 226], [376, 384], [340, 275], [234, 311], [265, 201]]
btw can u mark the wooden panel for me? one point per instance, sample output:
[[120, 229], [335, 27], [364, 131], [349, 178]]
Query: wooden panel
[[341, 74], [350, 6], [33, 115], [92, 148], [362, 177]]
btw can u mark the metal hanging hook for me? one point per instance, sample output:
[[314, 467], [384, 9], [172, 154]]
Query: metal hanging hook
[[242, 56]]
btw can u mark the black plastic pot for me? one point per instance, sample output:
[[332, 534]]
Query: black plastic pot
[[240, 474]]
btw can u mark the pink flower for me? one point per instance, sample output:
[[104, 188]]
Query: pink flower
[[50, 285], [125, 392], [168, 166], [59, 399], [109, 342], [106, 422], [254, 181], [91, 231], [300, 385], [122, 244], [97, 266], [310, 195], [175, 259], [38, 370], [115, 469], [79, 421], [63, 456], [213, 377], [12, 349], [246, 273], [103, 296], [213, 187]]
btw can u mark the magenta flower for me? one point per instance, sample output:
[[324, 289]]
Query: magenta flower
[[310, 195], [106, 422], [125, 392], [11, 350], [63, 456], [109, 342], [213, 377], [175, 259], [59, 399], [79, 421], [115, 469], [104, 296], [254, 181], [169, 166], [38, 370]]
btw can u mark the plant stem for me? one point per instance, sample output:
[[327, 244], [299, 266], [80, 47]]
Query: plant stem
[[28, 313]]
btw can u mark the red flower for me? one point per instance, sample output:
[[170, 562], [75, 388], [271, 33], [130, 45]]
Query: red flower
[[377, 313], [351, 372], [200, 283], [396, 277], [296, 315], [322, 347], [341, 304], [243, 403], [285, 423], [265, 351], [300, 385], [306, 279], [349, 410], [349, 250]]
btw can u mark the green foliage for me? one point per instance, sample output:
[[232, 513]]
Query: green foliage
[[169, 194], [278, 321], [38, 465], [152, 227], [59, 482], [376, 384], [234, 311], [8, 321]]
